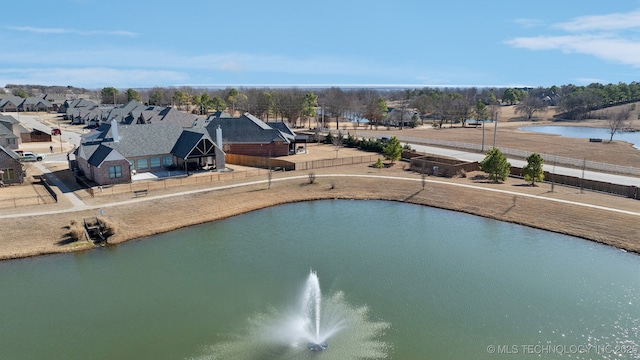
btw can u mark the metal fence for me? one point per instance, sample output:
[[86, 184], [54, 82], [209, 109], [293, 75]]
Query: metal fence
[[560, 160], [25, 201]]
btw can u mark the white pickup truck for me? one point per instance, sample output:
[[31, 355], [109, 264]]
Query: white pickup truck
[[30, 156]]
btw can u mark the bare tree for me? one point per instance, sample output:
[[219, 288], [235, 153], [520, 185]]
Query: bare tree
[[616, 119], [336, 102], [337, 142], [530, 105]]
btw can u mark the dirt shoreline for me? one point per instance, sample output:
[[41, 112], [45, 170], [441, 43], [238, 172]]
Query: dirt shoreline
[[529, 206]]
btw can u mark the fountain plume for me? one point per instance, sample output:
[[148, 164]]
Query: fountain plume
[[305, 329], [311, 304]]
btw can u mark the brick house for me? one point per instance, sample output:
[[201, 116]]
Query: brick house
[[11, 171], [114, 152], [248, 135]]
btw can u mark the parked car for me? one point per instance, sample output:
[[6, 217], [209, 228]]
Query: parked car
[[56, 131], [31, 156]]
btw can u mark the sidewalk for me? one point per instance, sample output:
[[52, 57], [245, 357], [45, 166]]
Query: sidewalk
[[78, 204]]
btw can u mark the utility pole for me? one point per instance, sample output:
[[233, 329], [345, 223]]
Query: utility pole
[[584, 164], [482, 149], [495, 128]]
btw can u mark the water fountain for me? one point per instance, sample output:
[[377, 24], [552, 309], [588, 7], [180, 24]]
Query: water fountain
[[305, 329], [311, 308]]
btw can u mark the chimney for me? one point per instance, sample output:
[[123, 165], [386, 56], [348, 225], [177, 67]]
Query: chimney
[[219, 137], [114, 131]]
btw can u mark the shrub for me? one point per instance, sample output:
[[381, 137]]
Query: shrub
[[76, 231], [110, 227], [378, 164], [312, 177], [329, 138]]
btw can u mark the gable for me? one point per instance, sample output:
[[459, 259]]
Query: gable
[[193, 144]]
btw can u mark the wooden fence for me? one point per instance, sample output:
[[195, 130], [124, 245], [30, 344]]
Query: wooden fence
[[587, 184], [317, 164], [173, 182], [259, 162]]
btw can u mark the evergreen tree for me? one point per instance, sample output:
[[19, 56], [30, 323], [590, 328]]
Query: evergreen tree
[[495, 164], [392, 150], [133, 95], [533, 170]]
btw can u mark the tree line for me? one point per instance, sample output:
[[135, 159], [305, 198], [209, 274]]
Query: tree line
[[442, 106]]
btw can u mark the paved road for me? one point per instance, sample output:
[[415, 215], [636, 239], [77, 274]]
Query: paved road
[[588, 174], [38, 122]]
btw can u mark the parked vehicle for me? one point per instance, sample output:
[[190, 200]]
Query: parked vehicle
[[56, 131], [31, 156]]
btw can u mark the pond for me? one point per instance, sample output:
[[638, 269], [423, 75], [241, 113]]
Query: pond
[[583, 132], [392, 280]]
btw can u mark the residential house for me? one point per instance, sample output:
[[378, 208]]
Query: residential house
[[248, 135], [71, 108], [56, 100], [126, 114], [167, 115], [12, 133], [10, 103], [11, 171], [114, 152], [35, 104]]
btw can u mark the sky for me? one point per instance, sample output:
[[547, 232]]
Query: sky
[[404, 43]]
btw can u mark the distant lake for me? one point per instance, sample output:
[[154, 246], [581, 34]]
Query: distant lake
[[583, 132]]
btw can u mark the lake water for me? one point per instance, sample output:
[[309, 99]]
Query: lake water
[[583, 132], [402, 281]]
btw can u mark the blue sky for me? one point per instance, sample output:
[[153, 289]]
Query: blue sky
[[98, 43]]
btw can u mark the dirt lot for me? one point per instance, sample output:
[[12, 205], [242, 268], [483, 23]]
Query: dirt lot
[[34, 235]]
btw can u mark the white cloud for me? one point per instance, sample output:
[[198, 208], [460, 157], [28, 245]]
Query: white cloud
[[529, 22], [38, 30], [617, 21], [602, 36], [604, 47]]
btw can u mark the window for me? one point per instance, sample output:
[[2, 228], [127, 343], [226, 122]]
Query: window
[[143, 164], [115, 172], [11, 141], [8, 174], [155, 162], [167, 161]]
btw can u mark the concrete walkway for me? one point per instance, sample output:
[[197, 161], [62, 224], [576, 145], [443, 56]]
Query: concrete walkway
[[79, 205]]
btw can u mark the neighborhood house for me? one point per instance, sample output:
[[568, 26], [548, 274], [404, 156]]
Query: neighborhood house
[[114, 152]]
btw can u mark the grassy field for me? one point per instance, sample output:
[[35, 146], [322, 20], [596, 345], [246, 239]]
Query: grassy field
[[510, 201]]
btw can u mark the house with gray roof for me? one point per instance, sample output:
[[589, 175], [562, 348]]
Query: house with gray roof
[[11, 170], [56, 100], [167, 115], [248, 135], [35, 104], [76, 110], [10, 103], [112, 153], [11, 132]]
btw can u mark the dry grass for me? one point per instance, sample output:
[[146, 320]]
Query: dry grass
[[35, 235], [43, 234]]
